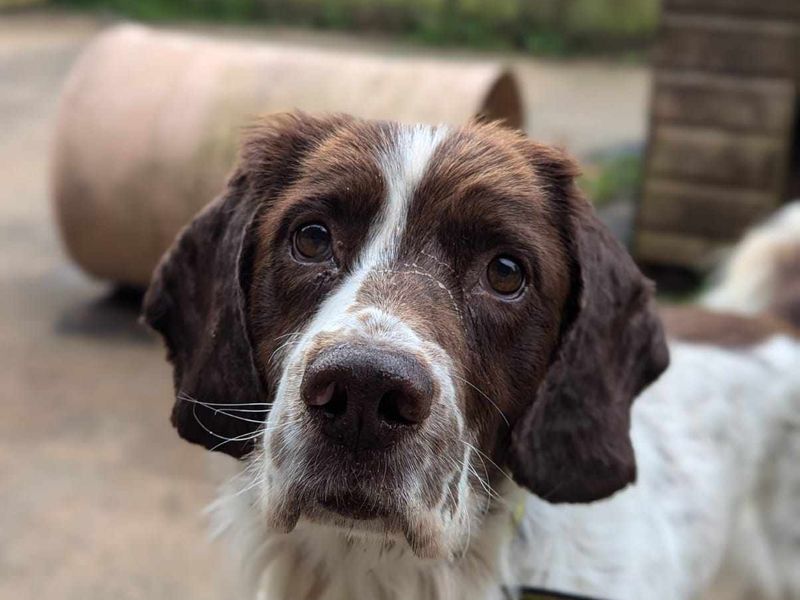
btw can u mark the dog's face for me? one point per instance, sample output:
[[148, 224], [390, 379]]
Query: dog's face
[[414, 279], [385, 318]]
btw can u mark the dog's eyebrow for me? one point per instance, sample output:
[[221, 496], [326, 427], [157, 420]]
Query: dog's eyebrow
[[345, 204], [491, 226]]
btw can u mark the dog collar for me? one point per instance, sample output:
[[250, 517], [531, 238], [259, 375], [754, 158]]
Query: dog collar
[[531, 593]]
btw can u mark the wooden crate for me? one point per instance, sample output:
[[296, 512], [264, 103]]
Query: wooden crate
[[723, 126]]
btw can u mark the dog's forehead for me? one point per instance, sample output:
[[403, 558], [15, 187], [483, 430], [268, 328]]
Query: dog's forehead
[[480, 157], [352, 150], [427, 169]]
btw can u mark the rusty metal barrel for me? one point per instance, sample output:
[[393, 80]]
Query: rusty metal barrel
[[149, 123]]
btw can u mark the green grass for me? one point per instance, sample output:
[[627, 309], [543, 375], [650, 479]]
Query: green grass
[[14, 4], [171, 10], [534, 26]]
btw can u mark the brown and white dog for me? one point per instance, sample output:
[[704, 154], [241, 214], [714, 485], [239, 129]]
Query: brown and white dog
[[423, 346]]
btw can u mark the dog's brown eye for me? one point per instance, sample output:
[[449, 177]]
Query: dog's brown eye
[[313, 243], [505, 276]]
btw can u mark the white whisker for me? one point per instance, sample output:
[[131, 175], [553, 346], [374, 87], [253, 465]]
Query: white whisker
[[219, 411], [482, 393]]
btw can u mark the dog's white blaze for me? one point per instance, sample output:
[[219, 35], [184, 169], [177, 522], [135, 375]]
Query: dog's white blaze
[[403, 165]]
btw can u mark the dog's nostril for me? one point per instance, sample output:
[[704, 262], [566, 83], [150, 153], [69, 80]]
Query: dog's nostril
[[338, 402], [391, 409], [322, 396], [331, 400]]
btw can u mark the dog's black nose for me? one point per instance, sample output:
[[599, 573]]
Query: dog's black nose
[[366, 397]]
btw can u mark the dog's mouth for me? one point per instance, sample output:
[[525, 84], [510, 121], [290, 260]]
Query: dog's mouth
[[360, 515], [354, 505], [381, 512]]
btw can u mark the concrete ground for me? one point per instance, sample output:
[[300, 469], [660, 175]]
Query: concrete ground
[[99, 498]]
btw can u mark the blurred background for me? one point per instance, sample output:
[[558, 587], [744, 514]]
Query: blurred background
[[683, 114]]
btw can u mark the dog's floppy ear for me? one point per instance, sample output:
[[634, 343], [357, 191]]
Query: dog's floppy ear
[[197, 296], [572, 444], [196, 301]]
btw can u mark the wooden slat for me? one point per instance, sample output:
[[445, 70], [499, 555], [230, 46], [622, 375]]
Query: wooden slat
[[716, 157], [725, 45], [695, 253], [789, 9], [711, 212], [732, 103]]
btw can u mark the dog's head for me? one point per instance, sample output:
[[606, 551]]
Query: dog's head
[[385, 318]]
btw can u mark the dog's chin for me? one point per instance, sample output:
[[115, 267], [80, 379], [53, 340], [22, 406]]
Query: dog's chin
[[355, 522], [357, 518], [356, 507]]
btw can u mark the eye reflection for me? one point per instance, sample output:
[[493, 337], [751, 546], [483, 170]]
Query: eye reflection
[[505, 276], [312, 243]]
